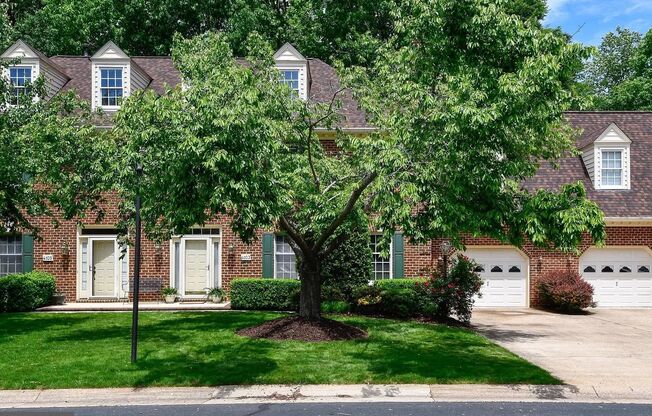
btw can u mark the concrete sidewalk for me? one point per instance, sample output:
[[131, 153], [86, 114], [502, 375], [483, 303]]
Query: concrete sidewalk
[[303, 394]]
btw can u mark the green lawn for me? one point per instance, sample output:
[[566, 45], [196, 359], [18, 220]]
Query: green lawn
[[41, 350]]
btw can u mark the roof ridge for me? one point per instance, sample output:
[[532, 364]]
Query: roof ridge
[[609, 111]]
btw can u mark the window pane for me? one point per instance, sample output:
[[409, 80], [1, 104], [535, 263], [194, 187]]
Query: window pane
[[381, 266], [285, 262], [11, 259]]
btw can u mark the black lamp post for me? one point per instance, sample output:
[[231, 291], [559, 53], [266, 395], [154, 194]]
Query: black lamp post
[[134, 316], [446, 250]]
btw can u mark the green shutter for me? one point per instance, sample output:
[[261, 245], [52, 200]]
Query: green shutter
[[28, 253], [398, 256], [268, 255]]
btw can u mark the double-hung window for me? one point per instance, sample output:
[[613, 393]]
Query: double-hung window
[[381, 265], [11, 255], [285, 261], [612, 168], [20, 78], [290, 77], [111, 88]]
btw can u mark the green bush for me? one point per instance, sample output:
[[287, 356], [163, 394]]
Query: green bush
[[265, 294], [392, 297], [26, 292], [348, 266], [452, 293], [386, 284], [335, 306]]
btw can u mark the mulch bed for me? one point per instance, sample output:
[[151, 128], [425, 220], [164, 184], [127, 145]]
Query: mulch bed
[[297, 328]]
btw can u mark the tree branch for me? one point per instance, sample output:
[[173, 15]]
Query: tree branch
[[295, 235], [345, 212]]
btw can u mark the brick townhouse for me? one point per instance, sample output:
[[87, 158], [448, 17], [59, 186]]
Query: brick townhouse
[[89, 264]]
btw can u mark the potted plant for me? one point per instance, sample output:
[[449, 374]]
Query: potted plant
[[58, 299], [169, 294], [217, 294]]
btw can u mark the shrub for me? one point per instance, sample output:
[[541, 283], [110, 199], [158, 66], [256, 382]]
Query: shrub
[[399, 302], [26, 292], [386, 284], [367, 299], [565, 291], [335, 306], [451, 293], [265, 294], [347, 267]]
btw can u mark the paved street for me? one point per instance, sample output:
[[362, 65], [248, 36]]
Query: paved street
[[354, 409], [606, 351]]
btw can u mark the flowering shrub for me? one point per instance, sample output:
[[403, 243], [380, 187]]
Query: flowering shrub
[[451, 292], [565, 291]]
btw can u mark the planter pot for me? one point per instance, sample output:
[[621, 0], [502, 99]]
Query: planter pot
[[170, 298], [58, 299], [216, 298]]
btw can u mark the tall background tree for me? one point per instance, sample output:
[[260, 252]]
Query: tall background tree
[[346, 30], [468, 99], [619, 74]]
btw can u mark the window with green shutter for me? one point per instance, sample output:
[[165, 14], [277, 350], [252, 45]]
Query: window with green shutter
[[398, 256], [16, 254]]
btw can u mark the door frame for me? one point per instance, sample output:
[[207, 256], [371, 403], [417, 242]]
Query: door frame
[[212, 275], [120, 290], [520, 252]]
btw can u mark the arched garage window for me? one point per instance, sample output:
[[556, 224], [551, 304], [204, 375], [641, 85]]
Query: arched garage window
[[589, 269], [607, 269]]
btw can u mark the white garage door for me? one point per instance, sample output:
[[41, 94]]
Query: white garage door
[[621, 277], [504, 271]]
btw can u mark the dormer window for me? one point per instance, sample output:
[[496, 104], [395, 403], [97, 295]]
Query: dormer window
[[607, 159], [20, 78], [293, 70], [111, 86], [290, 77], [612, 168]]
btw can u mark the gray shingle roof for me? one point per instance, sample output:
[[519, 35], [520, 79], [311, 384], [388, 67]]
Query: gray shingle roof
[[324, 82], [634, 202]]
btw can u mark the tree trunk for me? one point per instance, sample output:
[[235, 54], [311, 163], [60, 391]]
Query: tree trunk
[[310, 298]]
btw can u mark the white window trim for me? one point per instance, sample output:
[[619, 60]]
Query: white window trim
[[211, 276], [302, 70], [34, 66], [391, 256], [97, 84], [275, 262], [625, 166]]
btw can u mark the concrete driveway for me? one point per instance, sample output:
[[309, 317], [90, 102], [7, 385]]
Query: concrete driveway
[[607, 351]]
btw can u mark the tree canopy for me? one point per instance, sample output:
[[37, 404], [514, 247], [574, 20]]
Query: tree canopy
[[619, 75], [346, 30], [467, 99], [52, 159]]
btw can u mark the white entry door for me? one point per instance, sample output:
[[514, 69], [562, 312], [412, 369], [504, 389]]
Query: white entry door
[[504, 273], [103, 268], [621, 277], [196, 266]]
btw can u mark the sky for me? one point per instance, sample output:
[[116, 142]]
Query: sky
[[589, 20]]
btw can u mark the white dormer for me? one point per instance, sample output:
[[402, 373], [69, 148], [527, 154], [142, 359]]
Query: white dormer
[[294, 69], [607, 159], [29, 66], [114, 77]]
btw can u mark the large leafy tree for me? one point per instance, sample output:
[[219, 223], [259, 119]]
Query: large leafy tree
[[468, 101], [347, 30], [52, 161]]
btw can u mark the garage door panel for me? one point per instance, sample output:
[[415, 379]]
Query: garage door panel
[[620, 276], [504, 275]]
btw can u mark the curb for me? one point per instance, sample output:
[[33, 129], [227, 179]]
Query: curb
[[368, 393]]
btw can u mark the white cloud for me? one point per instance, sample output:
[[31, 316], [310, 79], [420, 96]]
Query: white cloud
[[556, 11]]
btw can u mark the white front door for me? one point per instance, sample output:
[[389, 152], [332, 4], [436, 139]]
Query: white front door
[[504, 273], [196, 266], [621, 277], [103, 268]]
